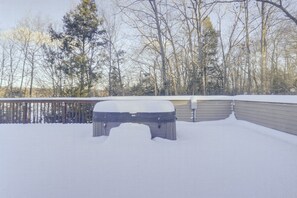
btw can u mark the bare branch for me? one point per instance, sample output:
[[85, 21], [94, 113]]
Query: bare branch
[[282, 8]]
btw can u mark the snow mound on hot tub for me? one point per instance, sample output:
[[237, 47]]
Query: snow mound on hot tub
[[134, 106]]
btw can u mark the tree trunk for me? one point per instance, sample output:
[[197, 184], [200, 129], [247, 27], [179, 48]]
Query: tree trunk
[[2, 68], [110, 68], [198, 19], [120, 75], [24, 64], [31, 76], [162, 52], [247, 46], [263, 50]]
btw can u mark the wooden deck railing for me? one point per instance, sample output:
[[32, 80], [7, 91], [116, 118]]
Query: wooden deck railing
[[46, 110]]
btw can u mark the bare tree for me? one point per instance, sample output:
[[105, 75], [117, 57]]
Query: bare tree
[[30, 36], [2, 66], [266, 12], [114, 56], [162, 52], [232, 40], [147, 15], [247, 46], [13, 65]]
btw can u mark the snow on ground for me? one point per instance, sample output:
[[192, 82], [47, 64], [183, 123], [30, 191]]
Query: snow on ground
[[227, 158]]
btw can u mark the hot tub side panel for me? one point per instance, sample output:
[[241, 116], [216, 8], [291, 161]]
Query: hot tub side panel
[[161, 124], [164, 130]]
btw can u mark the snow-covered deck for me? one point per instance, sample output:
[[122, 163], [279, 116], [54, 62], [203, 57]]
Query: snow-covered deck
[[227, 158]]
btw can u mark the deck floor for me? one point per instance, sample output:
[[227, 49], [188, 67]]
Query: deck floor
[[225, 158]]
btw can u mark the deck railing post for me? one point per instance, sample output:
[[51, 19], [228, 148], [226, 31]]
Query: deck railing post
[[25, 115], [64, 112]]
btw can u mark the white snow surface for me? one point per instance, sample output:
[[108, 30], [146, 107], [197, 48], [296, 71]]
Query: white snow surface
[[225, 159], [134, 106], [292, 99]]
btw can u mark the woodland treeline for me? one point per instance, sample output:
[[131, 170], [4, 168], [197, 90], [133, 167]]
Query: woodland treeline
[[154, 47]]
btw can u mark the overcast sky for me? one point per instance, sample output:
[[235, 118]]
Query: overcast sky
[[12, 11]]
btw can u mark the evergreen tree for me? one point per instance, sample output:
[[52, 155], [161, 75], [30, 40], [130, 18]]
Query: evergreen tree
[[79, 48], [212, 71]]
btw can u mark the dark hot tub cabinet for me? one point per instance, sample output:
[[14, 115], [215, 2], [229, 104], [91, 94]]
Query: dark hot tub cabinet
[[159, 116]]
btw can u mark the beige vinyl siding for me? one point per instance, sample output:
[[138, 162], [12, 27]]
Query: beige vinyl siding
[[279, 116], [183, 110], [208, 110]]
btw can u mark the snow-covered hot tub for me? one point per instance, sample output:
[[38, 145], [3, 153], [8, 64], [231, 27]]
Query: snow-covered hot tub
[[159, 116]]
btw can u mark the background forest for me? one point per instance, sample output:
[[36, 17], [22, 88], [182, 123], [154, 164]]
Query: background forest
[[154, 47]]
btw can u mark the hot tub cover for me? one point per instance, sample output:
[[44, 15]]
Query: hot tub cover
[[134, 106]]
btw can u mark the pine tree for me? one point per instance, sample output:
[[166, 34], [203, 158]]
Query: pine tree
[[212, 72], [79, 47]]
